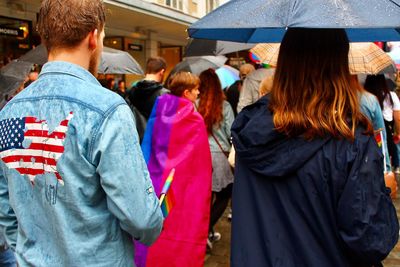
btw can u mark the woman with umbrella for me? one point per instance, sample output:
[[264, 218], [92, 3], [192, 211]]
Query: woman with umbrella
[[309, 187]]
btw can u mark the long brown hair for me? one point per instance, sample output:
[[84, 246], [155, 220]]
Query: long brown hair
[[376, 84], [211, 99], [313, 93]]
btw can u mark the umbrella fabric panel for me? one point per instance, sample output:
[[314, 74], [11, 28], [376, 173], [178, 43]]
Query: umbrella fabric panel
[[267, 53], [266, 20], [227, 76], [196, 65], [113, 61], [12, 76], [364, 58], [118, 62], [368, 58], [17, 69], [8, 86], [202, 47], [38, 55]]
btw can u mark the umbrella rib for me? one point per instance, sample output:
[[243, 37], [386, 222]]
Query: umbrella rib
[[394, 3]]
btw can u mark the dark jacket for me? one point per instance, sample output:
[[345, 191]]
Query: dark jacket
[[307, 203], [232, 95], [144, 94]]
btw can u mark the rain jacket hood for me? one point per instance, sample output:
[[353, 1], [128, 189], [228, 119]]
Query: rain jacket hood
[[148, 87], [266, 151]]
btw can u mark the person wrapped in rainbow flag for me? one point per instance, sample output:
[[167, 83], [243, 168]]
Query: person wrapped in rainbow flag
[[175, 146]]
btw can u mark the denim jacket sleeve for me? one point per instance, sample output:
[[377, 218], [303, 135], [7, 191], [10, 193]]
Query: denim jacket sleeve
[[8, 220], [124, 176]]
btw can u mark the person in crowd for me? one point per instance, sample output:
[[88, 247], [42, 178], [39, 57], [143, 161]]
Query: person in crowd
[[390, 106], [145, 92], [121, 89], [309, 187], [250, 89], [66, 198], [370, 107], [233, 92], [110, 84], [186, 85], [218, 117], [176, 138]]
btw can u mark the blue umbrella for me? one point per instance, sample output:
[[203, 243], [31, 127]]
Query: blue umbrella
[[256, 21]]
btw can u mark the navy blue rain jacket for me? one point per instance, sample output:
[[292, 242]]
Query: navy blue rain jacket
[[307, 203]]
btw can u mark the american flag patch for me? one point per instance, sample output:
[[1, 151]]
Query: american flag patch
[[27, 146]]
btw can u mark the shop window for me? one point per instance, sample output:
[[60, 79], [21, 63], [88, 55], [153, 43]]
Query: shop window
[[177, 4], [211, 5], [15, 38]]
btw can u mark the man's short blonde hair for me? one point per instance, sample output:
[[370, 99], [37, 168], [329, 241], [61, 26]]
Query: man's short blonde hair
[[245, 69]]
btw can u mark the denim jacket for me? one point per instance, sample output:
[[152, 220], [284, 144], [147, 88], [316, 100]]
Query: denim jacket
[[223, 132], [86, 190]]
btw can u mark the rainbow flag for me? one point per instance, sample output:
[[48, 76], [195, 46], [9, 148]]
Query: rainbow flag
[[380, 140], [167, 199], [176, 138]]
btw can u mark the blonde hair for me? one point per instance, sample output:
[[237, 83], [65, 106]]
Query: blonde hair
[[182, 81], [245, 69]]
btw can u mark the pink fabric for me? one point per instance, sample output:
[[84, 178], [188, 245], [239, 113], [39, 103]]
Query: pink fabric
[[183, 239]]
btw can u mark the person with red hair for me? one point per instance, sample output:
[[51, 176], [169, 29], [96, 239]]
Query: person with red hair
[[218, 117]]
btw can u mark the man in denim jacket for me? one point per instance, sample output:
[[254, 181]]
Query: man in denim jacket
[[74, 187]]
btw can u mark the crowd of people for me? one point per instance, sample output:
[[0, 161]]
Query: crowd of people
[[306, 152]]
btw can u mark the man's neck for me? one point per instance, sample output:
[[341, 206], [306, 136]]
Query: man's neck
[[152, 77], [76, 56]]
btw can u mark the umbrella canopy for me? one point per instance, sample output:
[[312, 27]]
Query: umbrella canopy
[[8, 87], [202, 47], [364, 58], [227, 75], [196, 65], [12, 76], [37, 55], [260, 21], [113, 61], [17, 69]]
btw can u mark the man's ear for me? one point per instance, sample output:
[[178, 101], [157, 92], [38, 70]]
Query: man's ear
[[93, 39]]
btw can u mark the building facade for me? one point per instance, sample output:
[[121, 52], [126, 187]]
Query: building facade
[[144, 28]]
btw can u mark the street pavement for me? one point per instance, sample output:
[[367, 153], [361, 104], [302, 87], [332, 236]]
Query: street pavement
[[220, 254]]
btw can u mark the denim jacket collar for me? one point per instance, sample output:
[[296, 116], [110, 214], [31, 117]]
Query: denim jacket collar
[[63, 67]]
